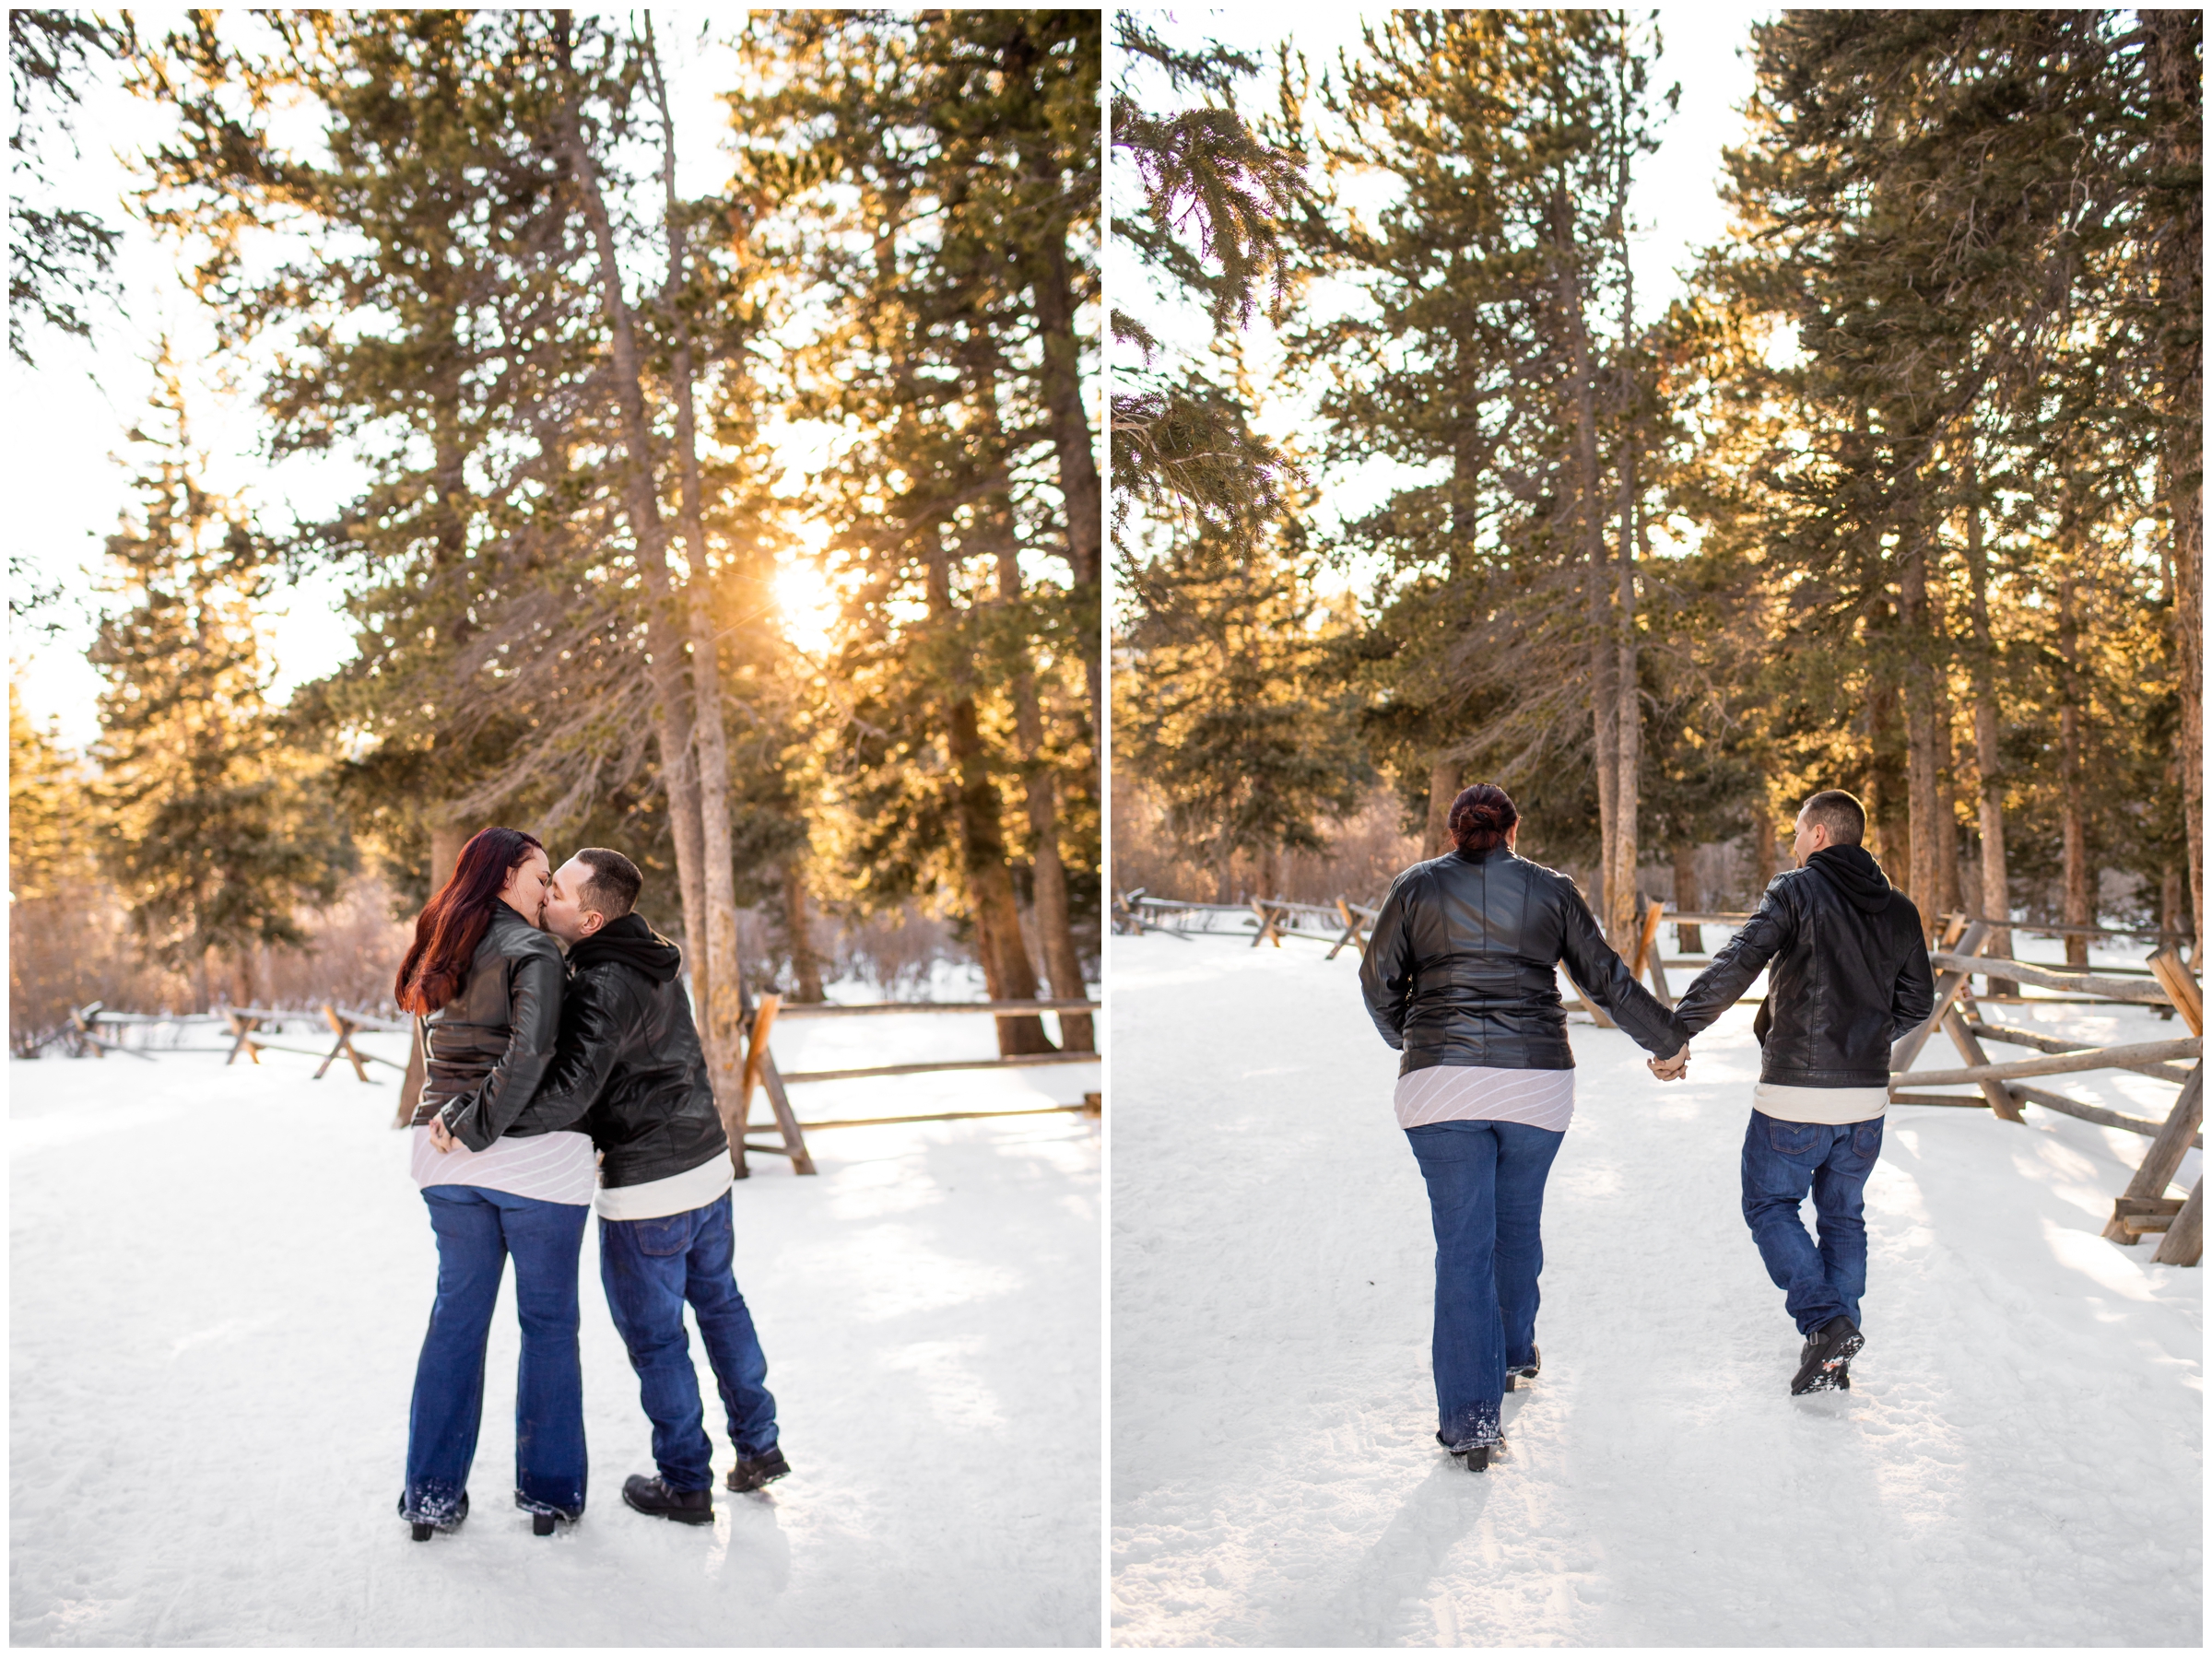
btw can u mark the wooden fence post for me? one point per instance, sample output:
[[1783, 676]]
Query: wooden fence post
[[2163, 1160], [2180, 985], [1970, 1049], [1352, 934], [1948, 988], [2184, 1240]]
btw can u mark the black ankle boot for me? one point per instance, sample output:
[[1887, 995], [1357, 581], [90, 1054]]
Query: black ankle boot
[[651, 1495], [751, 1475], [1827, 1351]]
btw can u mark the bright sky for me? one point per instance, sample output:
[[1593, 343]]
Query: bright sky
[[65, 484], [1675, 205]]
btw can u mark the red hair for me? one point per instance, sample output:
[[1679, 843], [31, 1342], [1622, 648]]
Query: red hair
[[1480, 818], [453, 922]]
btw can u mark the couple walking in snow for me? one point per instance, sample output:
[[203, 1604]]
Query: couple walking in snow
[[549, 1084], [1461, 977]]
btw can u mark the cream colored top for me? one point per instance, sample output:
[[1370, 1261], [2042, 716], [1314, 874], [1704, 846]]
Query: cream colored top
[[1833, 1106]]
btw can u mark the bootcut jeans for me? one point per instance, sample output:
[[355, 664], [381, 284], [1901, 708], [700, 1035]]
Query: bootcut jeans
[[1485, 1202], [477, 1229], [650, 1269], [1783, 1160]]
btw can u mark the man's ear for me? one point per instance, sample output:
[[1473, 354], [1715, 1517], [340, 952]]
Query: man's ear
[[592, 922]]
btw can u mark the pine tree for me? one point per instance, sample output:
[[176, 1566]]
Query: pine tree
[[218, 830]]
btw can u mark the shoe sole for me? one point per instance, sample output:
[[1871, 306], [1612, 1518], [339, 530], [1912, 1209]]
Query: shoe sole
[[681, 1516], [731, 1481]]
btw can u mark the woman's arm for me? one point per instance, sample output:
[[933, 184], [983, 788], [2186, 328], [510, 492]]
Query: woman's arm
[[533, 1035], [1386, 970], [1606, 979]]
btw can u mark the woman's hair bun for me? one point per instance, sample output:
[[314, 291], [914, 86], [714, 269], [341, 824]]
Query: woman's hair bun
[[1481, 817]]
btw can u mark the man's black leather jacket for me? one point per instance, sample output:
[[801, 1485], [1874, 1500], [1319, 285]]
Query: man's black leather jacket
[[1462, 967], [1847, 973], [495, 1038], [631, 1070]]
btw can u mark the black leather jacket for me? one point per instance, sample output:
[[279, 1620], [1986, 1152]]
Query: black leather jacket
[[631, 1070], [1847, 973], [495, 1037], [1461, 967]]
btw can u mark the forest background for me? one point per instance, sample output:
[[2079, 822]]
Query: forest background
[[741, 513], [1897, 488]]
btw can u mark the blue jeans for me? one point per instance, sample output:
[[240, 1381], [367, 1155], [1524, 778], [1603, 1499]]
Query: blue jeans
[[1783, 1160], [1486, 1200], [651, 1268], [477, 1229]]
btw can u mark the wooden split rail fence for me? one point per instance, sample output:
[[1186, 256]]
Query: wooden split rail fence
[[245, 1026], [2164, 982], [760, 1071]]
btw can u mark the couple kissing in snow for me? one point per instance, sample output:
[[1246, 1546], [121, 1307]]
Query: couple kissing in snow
[[551, 1084], [1461, 977]]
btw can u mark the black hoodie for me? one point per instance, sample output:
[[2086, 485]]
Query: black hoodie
[[1848, 973], [631, 942]]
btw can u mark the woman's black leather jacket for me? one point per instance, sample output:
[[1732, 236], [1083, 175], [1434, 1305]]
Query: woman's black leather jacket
[[1461, 967], [498, 1035]]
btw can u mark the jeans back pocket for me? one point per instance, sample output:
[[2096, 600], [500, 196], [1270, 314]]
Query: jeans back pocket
[[662, 1238]]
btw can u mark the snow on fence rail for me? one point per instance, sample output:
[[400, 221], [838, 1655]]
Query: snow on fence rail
[[2163, 981]]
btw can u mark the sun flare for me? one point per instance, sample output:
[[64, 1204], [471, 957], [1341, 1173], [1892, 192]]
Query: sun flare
[[805, 599]]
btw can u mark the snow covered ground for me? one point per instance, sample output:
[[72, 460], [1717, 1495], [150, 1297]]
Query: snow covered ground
[[219, 1282], [2020, 1460]]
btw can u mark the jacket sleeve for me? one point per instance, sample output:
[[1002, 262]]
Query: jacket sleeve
[[1915, 997], [533, 1035], [1602, 975], [1386, 970], [1740, 960]]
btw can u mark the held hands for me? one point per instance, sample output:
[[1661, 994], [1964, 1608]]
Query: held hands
[[442, 1138], [1673, 1069]]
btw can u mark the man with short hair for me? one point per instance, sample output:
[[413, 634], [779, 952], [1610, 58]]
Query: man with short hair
[[1848, 975], [629, 1067]]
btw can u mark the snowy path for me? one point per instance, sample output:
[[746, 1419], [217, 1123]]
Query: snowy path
[[2020, 1462], [219, 1283]]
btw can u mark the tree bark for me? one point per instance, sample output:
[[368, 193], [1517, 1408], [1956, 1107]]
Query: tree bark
[[1688, 897], [1063, 964], [1062, 382], [1443, 788], [663, 641], [1923, 885], [1590, 520], [2080, 902], [723, 1003], [1989, 763], [1008, 974], [806, 965], [2177, 148], [1762, 845]]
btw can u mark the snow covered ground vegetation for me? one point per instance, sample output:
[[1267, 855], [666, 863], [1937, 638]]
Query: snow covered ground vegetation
[[2019, 1462], [219, 1282]]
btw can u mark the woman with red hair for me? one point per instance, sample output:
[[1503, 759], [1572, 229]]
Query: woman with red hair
[[484, 983], [1462, 978]]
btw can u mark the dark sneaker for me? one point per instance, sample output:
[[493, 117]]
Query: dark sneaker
[[762, 1469], [1828, 1352], [651, 1495]]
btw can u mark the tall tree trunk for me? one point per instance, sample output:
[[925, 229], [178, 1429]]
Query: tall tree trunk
[[724, 1001], [1061, 380], [663, 640], [1443, 788], [806, 965], [448, 833], [1591, 515], [1947, 809], [1689, 899], [1886, 800], [1629, 721], [1989, 762], [1923, 885], [986, 881], [2178, 150], [2081, 904], [1063, 964], [1762, 844]]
